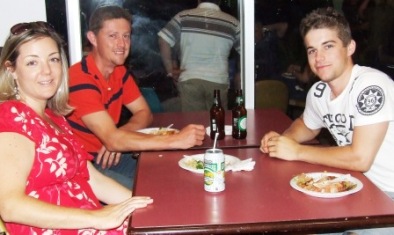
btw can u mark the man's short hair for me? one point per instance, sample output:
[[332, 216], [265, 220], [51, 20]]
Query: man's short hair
[[102, 14], [322, 18]]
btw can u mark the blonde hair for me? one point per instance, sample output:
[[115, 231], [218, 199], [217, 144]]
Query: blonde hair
[[58, 103]]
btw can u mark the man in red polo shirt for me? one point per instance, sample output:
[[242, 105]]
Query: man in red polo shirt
[[100, 85]]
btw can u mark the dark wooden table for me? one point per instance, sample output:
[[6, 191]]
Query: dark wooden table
[[261, 200], [259, 122]]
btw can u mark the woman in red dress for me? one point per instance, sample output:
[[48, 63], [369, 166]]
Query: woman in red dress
[[47, 183]]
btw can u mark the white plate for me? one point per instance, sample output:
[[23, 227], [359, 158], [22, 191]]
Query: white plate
[[153, 130], [228, 130], [183, 163], [317, 175]]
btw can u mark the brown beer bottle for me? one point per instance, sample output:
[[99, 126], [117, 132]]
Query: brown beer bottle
[[217, 116], [239, 117]]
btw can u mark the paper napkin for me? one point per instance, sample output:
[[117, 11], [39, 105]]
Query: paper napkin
[[244, 165]]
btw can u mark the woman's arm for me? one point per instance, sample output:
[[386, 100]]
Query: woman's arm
[[15, 206], [106, 189]]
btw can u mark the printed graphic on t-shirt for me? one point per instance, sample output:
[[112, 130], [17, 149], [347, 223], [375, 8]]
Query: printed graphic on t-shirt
[[370, 100], [340, 126]]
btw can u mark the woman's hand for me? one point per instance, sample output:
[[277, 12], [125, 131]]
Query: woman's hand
[[113, 216]]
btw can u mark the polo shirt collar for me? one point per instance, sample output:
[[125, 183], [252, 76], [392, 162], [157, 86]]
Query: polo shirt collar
[[92, 65], [209, 5]]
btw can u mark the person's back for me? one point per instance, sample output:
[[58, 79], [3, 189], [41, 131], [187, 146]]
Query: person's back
[[204, 37]]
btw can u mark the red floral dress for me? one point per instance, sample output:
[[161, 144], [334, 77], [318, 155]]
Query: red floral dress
[[59, 174]]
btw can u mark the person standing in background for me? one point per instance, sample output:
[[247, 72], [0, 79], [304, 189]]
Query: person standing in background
[[204, 37], [100, 85]]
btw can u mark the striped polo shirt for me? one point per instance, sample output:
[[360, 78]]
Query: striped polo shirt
[[204, 37], [90, 93]]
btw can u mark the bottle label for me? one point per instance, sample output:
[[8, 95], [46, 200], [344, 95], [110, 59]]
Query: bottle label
[[239, 100], [235, 123], [214, 127], [242, 123]]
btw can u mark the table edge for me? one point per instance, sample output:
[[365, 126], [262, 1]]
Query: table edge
[[307, 226]]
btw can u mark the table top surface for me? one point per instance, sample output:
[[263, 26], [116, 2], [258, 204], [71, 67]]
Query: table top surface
[[258, 200], [259, 122]]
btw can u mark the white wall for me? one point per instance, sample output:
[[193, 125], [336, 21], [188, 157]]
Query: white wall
[[17, 11]]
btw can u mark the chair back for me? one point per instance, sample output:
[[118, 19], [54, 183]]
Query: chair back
[[271, 94], [153, 100]]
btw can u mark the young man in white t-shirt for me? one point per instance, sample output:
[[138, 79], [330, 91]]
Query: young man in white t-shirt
[[355, 103]]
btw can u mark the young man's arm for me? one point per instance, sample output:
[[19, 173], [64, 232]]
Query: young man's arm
[[297, 132], [358, 156]]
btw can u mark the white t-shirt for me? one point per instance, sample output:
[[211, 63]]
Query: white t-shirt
[[367, 99]]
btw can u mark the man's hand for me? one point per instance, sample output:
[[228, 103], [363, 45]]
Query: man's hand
[[175, 75], [282, 147], [279, 146], [107, 158], [265, 139], [189, 136]]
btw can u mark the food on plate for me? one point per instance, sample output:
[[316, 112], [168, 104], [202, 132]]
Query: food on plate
[[324, 184], [195, 164], [163, 131]]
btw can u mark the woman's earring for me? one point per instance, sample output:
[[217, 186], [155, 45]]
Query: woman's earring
[[16, 93]]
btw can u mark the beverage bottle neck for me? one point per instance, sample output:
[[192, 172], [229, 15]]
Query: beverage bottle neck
[[216, 98], [239, 99]]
